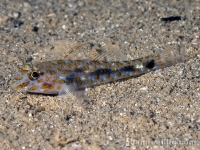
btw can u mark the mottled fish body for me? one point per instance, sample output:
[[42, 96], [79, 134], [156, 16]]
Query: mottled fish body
[[59, 76]]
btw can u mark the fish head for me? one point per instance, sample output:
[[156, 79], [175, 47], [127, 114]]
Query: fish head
[[38, 79]]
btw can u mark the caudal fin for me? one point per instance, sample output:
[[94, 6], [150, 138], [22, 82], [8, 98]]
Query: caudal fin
[[170, 57]]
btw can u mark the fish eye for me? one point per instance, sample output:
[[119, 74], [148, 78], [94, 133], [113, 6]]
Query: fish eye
[[35, 75]]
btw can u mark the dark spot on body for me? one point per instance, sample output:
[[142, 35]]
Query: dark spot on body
[[69, 78], [127, 69], [102, 72], [150, 64]]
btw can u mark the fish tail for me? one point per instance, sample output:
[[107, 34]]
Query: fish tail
[[169, 58]]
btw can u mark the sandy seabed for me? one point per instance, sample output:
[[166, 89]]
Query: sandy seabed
[[159, 110]]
